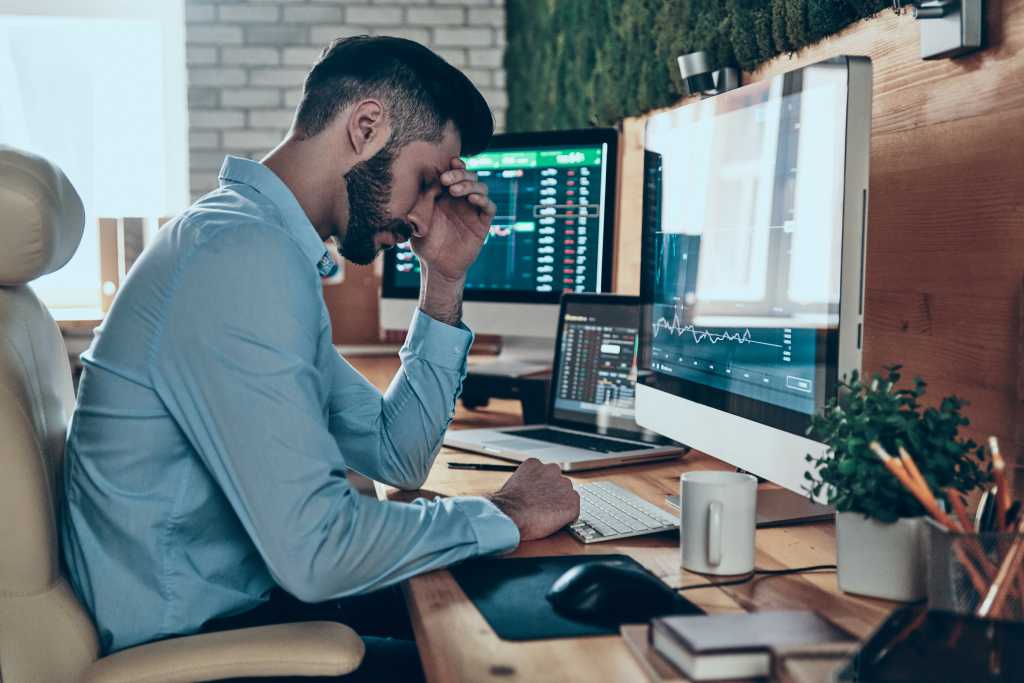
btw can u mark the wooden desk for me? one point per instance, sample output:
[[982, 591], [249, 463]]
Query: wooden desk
[[456, 644]]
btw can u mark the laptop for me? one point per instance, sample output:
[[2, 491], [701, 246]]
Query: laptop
[[590, 412]]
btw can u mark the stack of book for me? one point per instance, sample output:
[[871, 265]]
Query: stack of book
[[738, 646]]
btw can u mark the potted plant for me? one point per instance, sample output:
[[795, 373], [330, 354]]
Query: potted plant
[[879, 526]]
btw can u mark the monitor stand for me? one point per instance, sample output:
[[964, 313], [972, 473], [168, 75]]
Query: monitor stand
[[519, 357], [781, 507]]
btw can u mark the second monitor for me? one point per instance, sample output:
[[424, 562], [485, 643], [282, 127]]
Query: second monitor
[[552, 233]]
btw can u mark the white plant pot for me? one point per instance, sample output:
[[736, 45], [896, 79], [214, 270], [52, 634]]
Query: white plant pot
[[881, 560]]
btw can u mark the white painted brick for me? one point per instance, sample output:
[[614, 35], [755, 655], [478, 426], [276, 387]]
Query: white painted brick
[[496, 98], [277, 35], [203, 97], [204, 139], [282, 77], [301, 56], [499, 120], [251, 97], [292, 97], [499, 78], [436, 16], [374, 16], [487, 17], [419, 35], [201, 183], [463, 37], [248, 13], [206, 161], [216, 76], [213, 34], [454, 56], [489, 57], [271, 118], [312, 15], [216, 118], [480, 77], [324, 35], [250, 56], [199, 55], [251, 139], [199, 14]]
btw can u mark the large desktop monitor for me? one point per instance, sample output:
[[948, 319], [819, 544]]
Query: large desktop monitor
[[755, 205], [555, 193]]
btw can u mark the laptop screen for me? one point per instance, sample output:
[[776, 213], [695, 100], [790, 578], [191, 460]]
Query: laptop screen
[[594, 384]]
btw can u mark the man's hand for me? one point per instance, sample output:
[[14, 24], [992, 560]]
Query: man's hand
[[538, 499], [460, 223]]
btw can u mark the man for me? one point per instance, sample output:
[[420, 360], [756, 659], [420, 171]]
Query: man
[[215, 422]]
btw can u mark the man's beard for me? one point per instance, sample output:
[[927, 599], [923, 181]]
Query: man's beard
[[369, 191]]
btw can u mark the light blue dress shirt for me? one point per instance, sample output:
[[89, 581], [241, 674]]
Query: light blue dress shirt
[[206, 458]]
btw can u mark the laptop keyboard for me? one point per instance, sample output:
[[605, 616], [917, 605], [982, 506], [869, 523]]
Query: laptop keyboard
[[608, 511], [590, 443]]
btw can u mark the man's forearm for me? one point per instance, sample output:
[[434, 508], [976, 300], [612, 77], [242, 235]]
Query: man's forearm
[[441, 297]]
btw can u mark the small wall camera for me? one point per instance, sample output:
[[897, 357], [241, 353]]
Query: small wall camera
[[700, 79]]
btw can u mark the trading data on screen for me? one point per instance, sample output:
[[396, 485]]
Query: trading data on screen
[[547, 233], [596, 379]]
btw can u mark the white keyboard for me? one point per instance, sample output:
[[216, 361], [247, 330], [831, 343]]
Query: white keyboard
[[608, 511]]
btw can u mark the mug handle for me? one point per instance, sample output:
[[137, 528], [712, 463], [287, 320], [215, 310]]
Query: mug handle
[[714, 544]]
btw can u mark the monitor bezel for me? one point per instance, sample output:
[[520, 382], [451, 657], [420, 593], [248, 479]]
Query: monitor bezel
[[512, 141], [590, 298]]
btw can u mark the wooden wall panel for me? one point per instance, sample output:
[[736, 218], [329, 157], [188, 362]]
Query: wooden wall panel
[[353, 306], [946, 211]]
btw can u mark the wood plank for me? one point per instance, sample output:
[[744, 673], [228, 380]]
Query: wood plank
[[946, 209]]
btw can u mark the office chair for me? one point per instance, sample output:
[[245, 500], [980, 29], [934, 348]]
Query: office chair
[[45, 633]]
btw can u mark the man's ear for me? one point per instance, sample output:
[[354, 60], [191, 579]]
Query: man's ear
[[368, 129]]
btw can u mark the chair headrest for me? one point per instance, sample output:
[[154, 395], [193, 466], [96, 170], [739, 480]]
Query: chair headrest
[[41, 217]]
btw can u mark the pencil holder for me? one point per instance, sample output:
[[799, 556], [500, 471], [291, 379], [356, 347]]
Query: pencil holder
[[977, 574]]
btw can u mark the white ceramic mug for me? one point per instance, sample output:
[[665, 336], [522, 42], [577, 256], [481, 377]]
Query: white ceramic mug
[[718, 514]]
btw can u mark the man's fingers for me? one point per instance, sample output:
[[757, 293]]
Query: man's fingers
[[483, 203], [457, 175], [465, 187]]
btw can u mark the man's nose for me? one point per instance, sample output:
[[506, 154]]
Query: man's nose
[[420, 217]]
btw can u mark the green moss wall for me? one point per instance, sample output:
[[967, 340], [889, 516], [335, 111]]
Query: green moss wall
[[577, 63]]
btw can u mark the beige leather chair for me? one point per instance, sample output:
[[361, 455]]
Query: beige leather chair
[[45, 634]]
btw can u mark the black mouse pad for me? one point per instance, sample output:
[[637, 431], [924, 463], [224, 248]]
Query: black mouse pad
[[510, 593]]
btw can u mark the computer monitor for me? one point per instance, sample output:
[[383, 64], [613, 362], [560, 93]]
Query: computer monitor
[[755, 205], [555, 193]]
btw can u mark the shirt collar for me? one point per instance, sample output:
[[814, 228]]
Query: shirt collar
[[263, 180]]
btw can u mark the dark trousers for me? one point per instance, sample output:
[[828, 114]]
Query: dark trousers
[[380, 619]]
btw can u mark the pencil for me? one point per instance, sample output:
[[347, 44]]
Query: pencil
[[1002, 489], [481, 466], [1005, 577], [924, 496]]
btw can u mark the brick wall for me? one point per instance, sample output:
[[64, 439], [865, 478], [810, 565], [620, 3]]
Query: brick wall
[[247, 61]]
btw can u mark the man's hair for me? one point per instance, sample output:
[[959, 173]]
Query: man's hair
[[420, 91]]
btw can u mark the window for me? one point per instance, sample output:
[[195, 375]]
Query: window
[[98, 88]]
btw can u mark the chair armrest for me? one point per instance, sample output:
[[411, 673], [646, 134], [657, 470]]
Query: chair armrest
[[313, 648]]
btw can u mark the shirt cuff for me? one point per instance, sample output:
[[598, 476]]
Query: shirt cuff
[[495, 531], [438, 343]]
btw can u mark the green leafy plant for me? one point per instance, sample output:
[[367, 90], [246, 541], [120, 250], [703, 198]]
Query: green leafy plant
[[855, 480], [576, 63]]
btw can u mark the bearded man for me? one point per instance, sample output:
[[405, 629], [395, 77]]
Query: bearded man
[[207, 456]]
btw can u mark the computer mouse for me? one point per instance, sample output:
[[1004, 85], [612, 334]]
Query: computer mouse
[[615, 593]]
